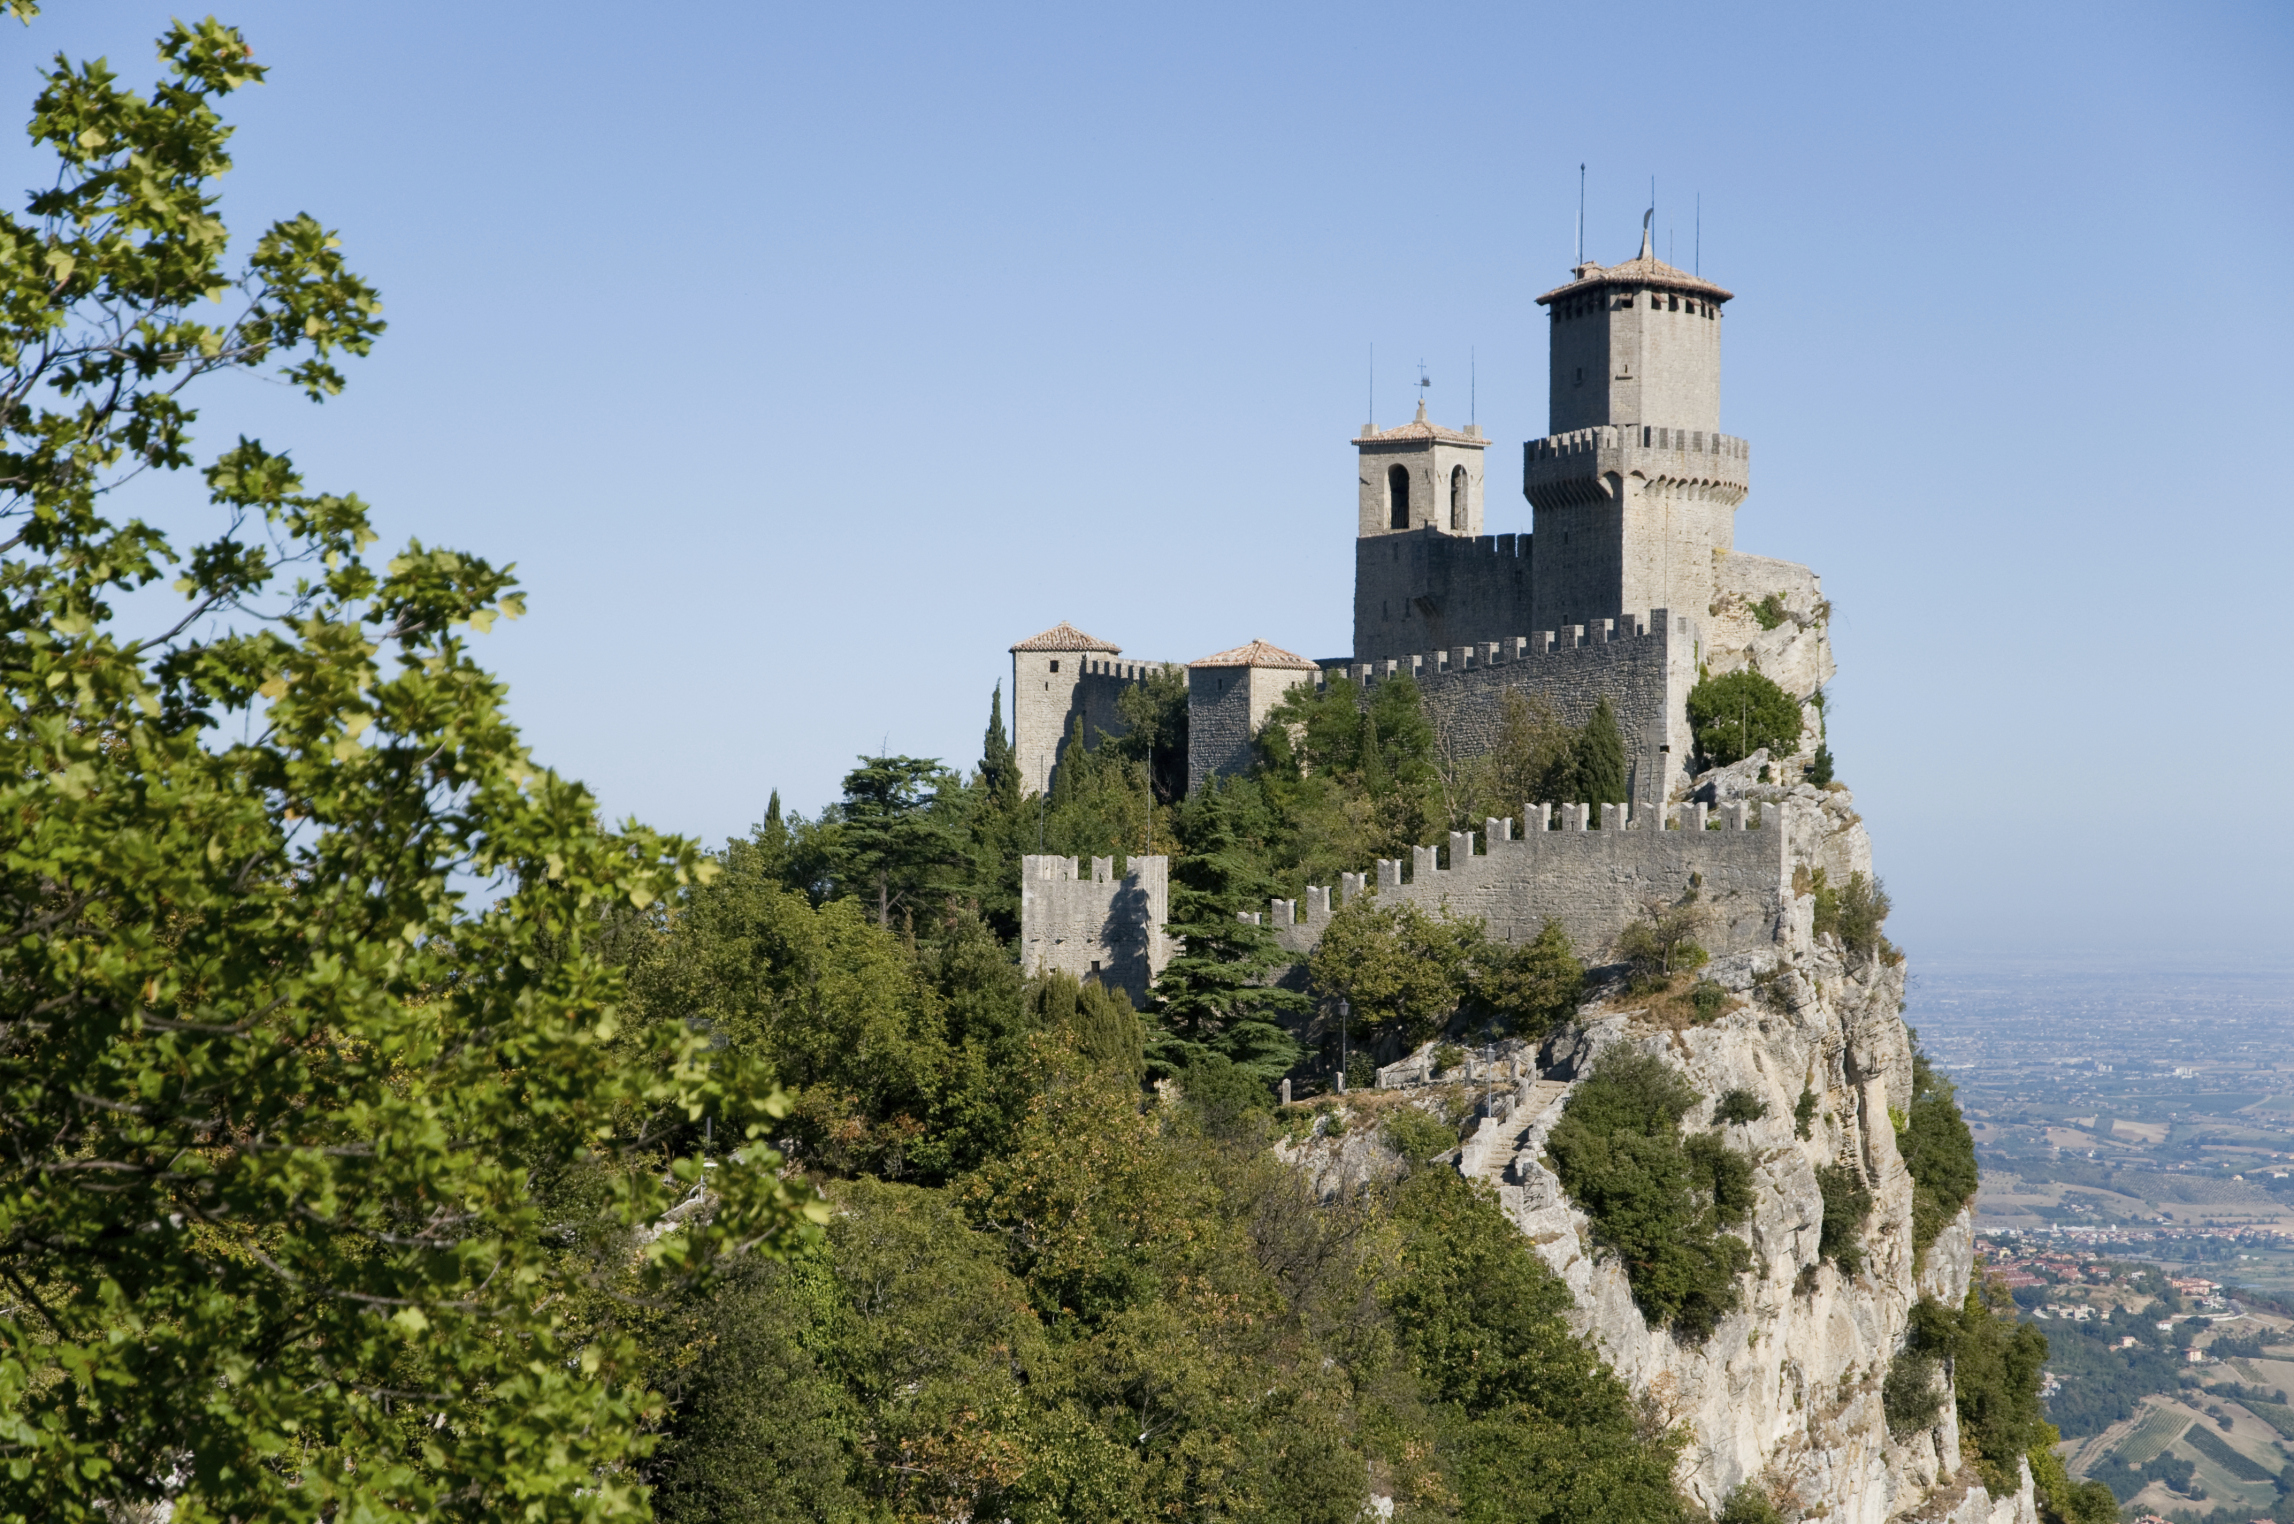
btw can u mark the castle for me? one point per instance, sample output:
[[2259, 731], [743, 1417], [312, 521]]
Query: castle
[[1627, 587]]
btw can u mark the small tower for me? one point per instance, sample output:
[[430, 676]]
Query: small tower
[[1228, 697], [1047, 689], [1635, 489], [1420, 476]]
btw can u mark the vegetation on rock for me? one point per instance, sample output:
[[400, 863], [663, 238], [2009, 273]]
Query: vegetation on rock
[[1657, 1200], [1738, 713]]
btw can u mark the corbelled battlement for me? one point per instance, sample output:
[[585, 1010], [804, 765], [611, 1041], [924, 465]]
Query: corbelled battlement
[[1594, 881], [1101, 927], [1565, 469]]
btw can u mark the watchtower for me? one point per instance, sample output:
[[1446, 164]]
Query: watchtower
[[1635, 488], [1425, 575], [1048, 690], [1421, 476]]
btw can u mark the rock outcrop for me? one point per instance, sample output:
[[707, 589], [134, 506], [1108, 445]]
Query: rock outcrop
[[1786, 1393]]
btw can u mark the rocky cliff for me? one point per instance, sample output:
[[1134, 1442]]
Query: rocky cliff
[[1786, 1393]]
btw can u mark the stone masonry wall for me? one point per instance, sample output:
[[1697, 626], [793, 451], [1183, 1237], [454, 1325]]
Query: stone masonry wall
[[1100, 927], [1427, 591], [1644, 667], [1046, 704], [1595, 882]]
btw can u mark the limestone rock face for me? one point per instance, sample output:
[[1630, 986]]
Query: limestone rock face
[[1786, 1393]]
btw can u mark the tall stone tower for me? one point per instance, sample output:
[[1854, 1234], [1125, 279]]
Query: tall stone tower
[[1635, 489], [1425, 576]]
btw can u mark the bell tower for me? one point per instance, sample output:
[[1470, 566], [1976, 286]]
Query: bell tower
[[1634, 488], [1425, 576]]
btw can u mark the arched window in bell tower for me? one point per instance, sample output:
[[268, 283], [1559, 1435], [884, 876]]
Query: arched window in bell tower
[[1458, 497], [1398, 497]]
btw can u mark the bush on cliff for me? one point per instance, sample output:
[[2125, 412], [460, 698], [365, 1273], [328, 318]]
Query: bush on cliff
[[1938, 1150], [1738, 713], [1657, 1200]]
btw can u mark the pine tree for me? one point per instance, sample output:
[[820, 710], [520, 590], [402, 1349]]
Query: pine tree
[[1213, 994]]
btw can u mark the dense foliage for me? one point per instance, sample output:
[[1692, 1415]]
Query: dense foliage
[[1133, 1311], [1738, 713], [1407, 973], [1938, 1150], [1995, 1366], [1658, 1200], [328, 1182], [1847, 1202]]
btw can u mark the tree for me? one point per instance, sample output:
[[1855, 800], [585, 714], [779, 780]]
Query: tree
[[1663, 941], [1739, 713], [1155, 716], [1531, 988], [999, 764], [900, 839], [1213, 995], [290, 1110], [1397, 966], [1597, 760]]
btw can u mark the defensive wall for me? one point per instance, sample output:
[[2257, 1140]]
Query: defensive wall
[[1643, 666], [1101, 927], [1421, 589], [1050, 693], [1595, 881]]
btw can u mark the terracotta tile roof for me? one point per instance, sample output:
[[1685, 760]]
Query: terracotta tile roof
[[1066, 637], [1644, 269], [1257, 654], [1419, 428]]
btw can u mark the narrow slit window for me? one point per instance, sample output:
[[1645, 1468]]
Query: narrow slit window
[[1398, 497]]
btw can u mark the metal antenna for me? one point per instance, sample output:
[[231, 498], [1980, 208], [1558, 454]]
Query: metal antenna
[[1698, 268], [1580, 214], [1473, 386], [1370, 419]]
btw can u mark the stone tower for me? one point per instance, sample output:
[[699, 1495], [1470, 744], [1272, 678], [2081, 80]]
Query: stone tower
[[1634, 492], [1425, 576], [1049, 692]]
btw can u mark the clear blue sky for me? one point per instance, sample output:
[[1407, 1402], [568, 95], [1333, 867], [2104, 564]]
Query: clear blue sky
[[805, 357]]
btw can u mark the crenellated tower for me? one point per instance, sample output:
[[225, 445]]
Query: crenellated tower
[[1634, 490]]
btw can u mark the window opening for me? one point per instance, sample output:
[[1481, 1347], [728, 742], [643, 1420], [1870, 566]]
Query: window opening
[[1398, 497], [1457, 497], [1055, 664]]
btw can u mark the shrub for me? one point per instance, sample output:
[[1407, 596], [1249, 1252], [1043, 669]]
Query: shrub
[[1747, 1505], [1770, 612], [1662, 942], [1819, 768], [1707, 997], [1532, 988], [1862, 906], [1739, 713], [1418, 1135], [1447, 1057], [1939, 1152], [1401, 967], [1847, 1202], [1804, 1112], [1912, 1397], [1659, 1202], [1361, 1073], [1996, 1365], [1227, 1097], [1825, 917], [1738, 1106]]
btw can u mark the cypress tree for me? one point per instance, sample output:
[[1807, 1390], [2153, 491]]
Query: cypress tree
[[1600, 759], [999, 765]]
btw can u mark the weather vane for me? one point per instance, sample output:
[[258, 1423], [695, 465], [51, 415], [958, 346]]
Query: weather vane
[[1424, 380]]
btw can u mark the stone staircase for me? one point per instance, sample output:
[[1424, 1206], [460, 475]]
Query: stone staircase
[[1488, 1153]]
